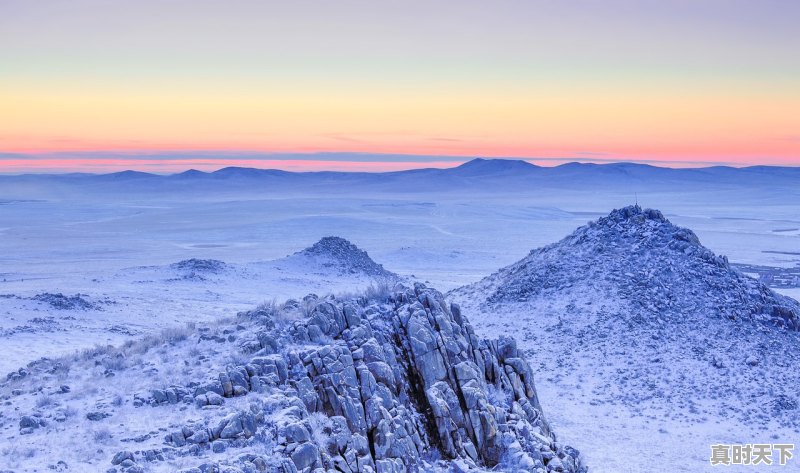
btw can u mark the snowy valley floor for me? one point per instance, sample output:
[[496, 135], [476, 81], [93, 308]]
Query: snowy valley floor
[[120, 255]]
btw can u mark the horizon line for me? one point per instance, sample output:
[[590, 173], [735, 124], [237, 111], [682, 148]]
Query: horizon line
[[172, 163]]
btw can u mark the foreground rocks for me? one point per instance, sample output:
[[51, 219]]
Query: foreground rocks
[[413, 376], [357, 386], [391, 381]]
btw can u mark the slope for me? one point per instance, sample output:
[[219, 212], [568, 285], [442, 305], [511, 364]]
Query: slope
[[641, 329]]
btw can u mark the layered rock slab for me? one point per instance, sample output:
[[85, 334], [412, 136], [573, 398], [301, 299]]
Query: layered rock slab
[[411, 376]]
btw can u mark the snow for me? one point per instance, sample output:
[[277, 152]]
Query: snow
[[637, 328], [144, 299], [114, 242]]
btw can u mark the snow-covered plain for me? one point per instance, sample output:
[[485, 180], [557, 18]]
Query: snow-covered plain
[[115, 240]]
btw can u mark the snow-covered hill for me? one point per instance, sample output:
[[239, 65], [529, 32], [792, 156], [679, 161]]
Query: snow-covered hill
[[340, 255], [640, 329], [658, 268]]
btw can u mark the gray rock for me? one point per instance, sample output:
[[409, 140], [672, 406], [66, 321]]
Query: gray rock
[[159, 396], [121, 456], [305, 456], [97, 415], [218, 447], [198, 437], [214, 399], [235, 425], [297, 433], [28, 422], [392, 381]]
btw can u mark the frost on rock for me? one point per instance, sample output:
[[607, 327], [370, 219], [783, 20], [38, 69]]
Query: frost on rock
[[344, 256], [658, 267], [412, 376], [402, 384]]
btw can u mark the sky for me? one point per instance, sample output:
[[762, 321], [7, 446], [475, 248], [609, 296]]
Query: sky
[[163, 86]]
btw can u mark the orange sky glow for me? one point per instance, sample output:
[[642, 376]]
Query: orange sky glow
[[84, 89]]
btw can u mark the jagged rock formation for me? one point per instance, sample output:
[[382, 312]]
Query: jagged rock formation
[[396, 381], [654, 265], [319, 385], [415, 376], [340, 254]]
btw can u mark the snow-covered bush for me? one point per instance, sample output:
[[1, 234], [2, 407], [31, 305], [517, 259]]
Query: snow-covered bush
[[321, 426]]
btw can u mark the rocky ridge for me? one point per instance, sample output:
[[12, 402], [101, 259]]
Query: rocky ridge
[[318, 385]]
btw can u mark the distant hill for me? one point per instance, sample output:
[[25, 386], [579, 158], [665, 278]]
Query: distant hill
[[642, 257], [480, 166], [341, 255], [635, 311], [478, 175]]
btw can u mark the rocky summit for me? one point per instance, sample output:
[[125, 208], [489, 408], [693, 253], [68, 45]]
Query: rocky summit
[[644, 259], [338, 253], [394, 384], [631, 314]]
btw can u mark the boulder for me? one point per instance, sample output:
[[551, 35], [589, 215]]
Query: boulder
[[305, 456]]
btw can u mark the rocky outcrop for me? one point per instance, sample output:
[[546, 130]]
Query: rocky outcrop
[[399, 385], [195, 265], [414, 376], [340, 254], [61, 302], [198, 269]]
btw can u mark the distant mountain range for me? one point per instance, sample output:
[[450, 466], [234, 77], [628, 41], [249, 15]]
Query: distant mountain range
[[480, 174]]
